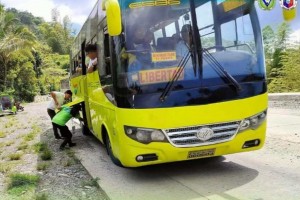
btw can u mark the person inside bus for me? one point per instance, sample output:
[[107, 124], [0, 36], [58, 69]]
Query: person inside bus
[[142, 48], [183, 47], [91, 52]]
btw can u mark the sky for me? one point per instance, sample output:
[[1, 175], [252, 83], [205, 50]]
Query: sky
[[78, 11]]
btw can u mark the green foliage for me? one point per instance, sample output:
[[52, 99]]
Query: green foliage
[[26, 83], [43, 150], [288, 81], [15, 156], [5, 168], [269, 41], [22, 146], [41, 196], [40, 147], [31, 50], [2, 134], [42, 166], [283, 68], [22, 182], [46, 155]]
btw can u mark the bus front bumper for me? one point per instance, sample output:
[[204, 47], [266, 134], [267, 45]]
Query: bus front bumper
[[138, 154]]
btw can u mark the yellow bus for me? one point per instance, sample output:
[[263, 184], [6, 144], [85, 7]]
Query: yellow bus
[[176, 79]]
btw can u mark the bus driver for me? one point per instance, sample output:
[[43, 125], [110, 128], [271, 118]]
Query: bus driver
[[183, 46]]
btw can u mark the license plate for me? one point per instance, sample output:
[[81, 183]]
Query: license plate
[[201, 153]]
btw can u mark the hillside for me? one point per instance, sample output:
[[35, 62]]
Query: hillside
[[33, 53]]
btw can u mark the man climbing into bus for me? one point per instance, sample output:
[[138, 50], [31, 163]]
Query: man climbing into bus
[[56, 102], [60, 120], [91, 52]]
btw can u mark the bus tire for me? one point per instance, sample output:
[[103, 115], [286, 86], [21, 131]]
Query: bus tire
[[109, 150]]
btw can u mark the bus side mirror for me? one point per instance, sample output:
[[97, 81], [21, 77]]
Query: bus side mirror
[[113, 16]]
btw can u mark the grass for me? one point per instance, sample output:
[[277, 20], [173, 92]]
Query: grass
[[68, 162], [92, 182], [15, 156], [5, 168], [42, 166], [30, 136], [33, 133], [41, 196], [2, 134], [46, 154], [10, 123], [43, 150], [22, 146], [70, 153], [40, 147], [2, 144], [18, 183], [9, 143]]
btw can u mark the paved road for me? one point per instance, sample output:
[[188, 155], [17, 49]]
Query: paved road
[[270, 173]]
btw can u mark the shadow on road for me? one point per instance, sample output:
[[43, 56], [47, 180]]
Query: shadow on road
[[202, 178]]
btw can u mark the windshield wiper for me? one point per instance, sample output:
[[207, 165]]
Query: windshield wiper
[[212, 61], [184, 60]]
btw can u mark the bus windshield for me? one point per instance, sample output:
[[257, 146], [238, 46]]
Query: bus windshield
[[159, 37]]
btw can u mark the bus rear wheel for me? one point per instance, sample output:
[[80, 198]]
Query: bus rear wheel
[[109, 150]]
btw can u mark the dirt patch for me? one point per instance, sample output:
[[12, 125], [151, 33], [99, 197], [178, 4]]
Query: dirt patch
[[27, 146]]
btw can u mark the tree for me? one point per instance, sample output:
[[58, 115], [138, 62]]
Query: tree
[[274, 50], [269, 41], [12, 38], [55, 15], [282, 35], [29, 62], [26, 83]]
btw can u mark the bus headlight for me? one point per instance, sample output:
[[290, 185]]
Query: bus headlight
[[145, 135], [253, 122]]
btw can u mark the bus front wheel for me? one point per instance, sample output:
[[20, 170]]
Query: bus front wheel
[[109, 150]]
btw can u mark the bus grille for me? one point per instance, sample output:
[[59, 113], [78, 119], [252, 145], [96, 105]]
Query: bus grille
[[187, 136]]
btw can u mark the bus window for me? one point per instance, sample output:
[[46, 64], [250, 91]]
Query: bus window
[[105, 66], [242, 38], [76, 68], [170, 29], [158, 34], [206, 26]]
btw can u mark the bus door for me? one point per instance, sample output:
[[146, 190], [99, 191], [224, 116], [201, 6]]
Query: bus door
[[98, 83]]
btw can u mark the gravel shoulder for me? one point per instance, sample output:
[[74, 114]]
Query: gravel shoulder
[[62, 176]]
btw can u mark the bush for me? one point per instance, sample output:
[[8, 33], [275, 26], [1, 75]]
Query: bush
[[46, 155], [40, 147], [42, 166], [18, 180], [15, 156], [41, 197], [22, 146]]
